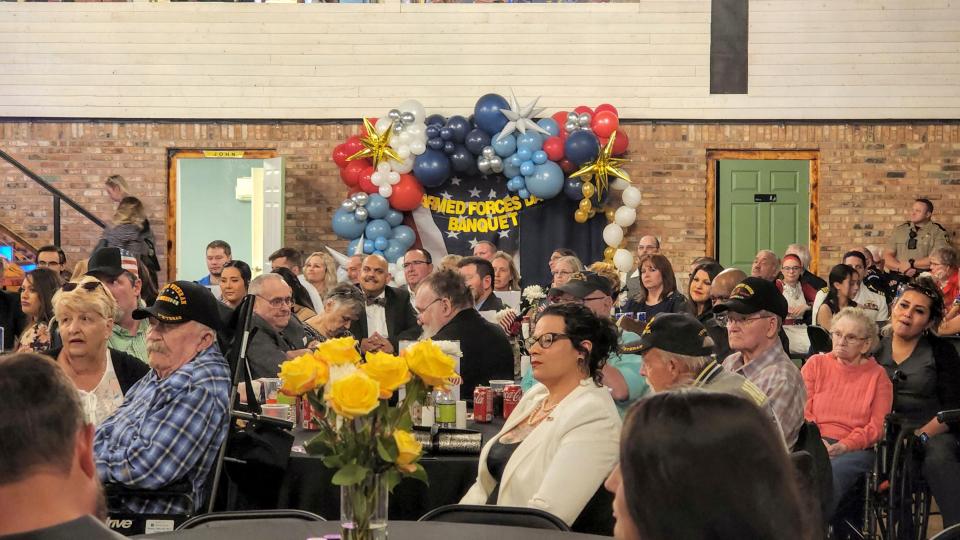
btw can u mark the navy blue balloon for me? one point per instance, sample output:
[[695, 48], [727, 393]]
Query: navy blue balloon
[[573, 188], [461, 159], [435, 120], [432, 132], [378, 228], [449, 147], [476, 141], [581, 147], [487, 113], [460, 127], [446, 133], [346, 226], [431, 168], [436, 143]]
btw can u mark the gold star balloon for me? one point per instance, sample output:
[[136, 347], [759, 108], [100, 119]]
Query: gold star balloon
[[603, 168], [376, 145]]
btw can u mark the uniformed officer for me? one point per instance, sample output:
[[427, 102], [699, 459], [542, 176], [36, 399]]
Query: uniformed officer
[[911, 243]]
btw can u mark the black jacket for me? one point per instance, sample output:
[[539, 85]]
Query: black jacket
[[492, 303], [12, 319], [268, 348], [129, 368], [399, 314]]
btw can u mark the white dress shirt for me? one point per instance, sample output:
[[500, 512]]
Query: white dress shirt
[[377, 318]]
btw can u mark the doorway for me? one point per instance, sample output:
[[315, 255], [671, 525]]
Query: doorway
[[761, 200]]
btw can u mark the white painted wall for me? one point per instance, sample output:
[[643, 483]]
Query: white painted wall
[[824, 59]]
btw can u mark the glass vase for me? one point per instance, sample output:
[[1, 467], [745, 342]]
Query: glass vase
[[363, 509]]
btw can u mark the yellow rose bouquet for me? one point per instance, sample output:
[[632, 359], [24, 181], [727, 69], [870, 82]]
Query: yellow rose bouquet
[[368, 442]]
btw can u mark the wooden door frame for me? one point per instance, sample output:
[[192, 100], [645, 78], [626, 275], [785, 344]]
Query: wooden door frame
[[813, 156], [173, 157]]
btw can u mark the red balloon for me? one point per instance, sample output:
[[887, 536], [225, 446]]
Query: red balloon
[[365, 183], [351, 173], [553, 146], [340, 155], [567, 166], [604, 123], [620, 145], [583, 109], [607, 107], [407, 194], [352, 145], [560, 118]]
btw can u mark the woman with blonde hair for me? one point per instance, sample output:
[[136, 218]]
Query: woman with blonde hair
[[128, 227], [320, 270], [505, 274]]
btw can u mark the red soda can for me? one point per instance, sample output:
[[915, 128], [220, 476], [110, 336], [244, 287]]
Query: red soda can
[[307, 420], [511, 396], [482, 410]]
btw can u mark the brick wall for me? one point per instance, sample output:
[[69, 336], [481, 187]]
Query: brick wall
[[869, 175]]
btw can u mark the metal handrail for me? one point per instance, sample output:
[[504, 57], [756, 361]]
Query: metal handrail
[[57, 197]]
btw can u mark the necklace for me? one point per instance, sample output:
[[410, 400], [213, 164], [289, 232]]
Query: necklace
[[541, 412]]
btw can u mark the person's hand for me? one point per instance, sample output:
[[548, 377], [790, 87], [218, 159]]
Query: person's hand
[[910, 272], [797, 311], [837, 449], [369, 344], [293, 354]]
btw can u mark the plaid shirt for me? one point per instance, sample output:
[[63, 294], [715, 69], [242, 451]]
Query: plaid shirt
[[775, 374], [167, 430]]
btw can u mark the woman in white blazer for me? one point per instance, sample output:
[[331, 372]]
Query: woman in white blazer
[[561, 440]]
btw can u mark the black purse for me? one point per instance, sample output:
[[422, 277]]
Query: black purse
[[257, 440]]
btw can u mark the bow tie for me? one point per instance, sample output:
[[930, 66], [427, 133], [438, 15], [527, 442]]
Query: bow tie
[[380, 301]]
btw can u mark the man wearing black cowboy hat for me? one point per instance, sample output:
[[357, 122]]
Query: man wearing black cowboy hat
[[172, 423]]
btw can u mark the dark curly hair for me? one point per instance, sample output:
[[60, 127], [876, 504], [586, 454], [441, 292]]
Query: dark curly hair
[[928, 287], [580, 324]]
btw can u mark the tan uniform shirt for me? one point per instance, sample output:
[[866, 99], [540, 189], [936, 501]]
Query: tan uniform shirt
[[929, 237]]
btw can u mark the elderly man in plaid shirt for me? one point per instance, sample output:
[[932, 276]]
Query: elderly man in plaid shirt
[[753, 316], [173, 421]]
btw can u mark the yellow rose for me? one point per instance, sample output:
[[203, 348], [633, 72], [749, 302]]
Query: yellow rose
[[354, 395], [338, 351], [409, 449], [388, 370], [323, 370], [431, 364], [299, 375]]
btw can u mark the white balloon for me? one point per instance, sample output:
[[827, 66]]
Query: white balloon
[[625, 216], [631, 197], [415, 129], [613, 235], [417, 147], [414, 106], [623, 260], [619, 184], [386, 191], [393, 178], [403, 151], [382, 124], [383, 167], [404, 167], [405, 138]]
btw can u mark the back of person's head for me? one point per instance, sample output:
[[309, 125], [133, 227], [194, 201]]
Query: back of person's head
[[609, 272], [581, 324], [300, 294], [40, 417], [703, 465], [449, 284], [130, 211]]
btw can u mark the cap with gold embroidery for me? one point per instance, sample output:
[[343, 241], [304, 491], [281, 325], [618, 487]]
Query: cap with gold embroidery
[[182, 301], [679, 333], [752, 295]]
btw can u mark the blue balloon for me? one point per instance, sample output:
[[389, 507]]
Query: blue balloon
[[504, 146], [487, 113], [524, 193], [378, 228], [460, 126], [581, 147], [432, 132], [435, 120], [550, 125], [394, 251], [346, 226], [530, 140], [404, 236], [546, 181], [510, 170], [524, 154], [527, 168], [514, 161], [352, 247], [573, 189], [446, 133], [432, 168], [394, 218], [515, 183], [380, 243], [461, 159], [540, 157], [449, 147], [377, 206], [435, 143], [368, 246], [378, 252], [476, 141]]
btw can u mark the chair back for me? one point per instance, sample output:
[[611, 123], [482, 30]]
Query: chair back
[[820, 341], [596, 517], [950, 533], [237, 519], [508, 516], [821, 489]]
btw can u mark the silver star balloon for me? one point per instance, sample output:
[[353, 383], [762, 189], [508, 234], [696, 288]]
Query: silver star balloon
[[521, 118]]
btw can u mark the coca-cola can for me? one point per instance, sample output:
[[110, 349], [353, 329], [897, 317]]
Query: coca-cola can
[[482, 410], [511, 396], [307, 420]]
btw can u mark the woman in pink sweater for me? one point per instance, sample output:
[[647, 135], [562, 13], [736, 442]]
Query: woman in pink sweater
[[848, 396]]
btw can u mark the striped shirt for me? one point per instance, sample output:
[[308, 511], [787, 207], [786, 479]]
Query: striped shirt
[[132, 344]]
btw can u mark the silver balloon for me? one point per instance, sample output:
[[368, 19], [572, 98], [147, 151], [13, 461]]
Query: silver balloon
[[394, 115], [496, 164], [398, 128], [488, 152], [348, 205], [584, 120], [483, 164], [570, 127], [360, 198], [408, 118], [361, 214], [572, 117]]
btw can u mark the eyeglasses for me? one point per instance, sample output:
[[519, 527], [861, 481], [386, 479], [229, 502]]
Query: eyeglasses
[[411, 263], [89, 286], [45, 264], [791, 268], [545, 340], [426, 307], [279, 302], [912, 242], [725, 320], [840, 338]]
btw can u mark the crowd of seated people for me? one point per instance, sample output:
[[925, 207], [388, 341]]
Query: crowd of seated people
[[670, 354]]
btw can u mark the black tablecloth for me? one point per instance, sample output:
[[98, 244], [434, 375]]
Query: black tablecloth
[[398, 530]]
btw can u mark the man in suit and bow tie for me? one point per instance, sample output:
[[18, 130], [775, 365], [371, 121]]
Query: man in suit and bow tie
[[388, 311]]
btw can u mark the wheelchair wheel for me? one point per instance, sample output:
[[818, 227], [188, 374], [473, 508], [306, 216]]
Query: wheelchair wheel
[[908, 504]]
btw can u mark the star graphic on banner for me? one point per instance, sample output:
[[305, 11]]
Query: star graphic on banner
[[452, 234], [492, 194], [455, 181], [504, 234], [475, 193], [446, 195], [473, 243]]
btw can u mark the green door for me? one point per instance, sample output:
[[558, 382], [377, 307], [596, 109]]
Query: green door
[[762, 204]]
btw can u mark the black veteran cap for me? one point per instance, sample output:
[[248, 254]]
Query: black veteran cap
[[752, 295], [678, 333], [183, 301], [582, 284]]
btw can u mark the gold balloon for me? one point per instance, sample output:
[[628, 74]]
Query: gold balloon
[[580, 216], [608, 253], [586, 205], [603, 168], [588, 190], [592, 212], [376, 145], [611, 214]]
